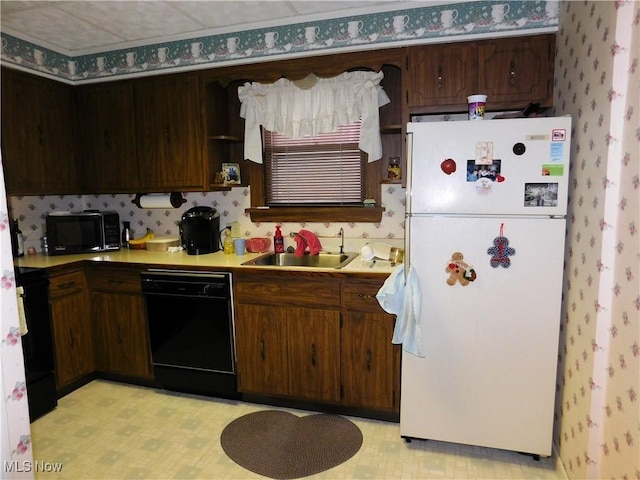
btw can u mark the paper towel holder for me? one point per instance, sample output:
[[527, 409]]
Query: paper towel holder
[[175, 198]]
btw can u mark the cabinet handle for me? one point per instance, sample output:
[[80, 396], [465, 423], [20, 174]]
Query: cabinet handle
[[119, 335], [64, 286], [313, 354], [115, 281], [512, 73], [72, 339], [40, 136], [365, 295], [167, 137], [262, 355], [368, 357], [107, 138], [440, 77]]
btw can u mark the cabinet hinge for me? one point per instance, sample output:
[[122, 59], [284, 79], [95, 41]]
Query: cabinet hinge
[[340, 319]]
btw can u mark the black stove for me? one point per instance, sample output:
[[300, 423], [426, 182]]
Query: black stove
[[37, 343]]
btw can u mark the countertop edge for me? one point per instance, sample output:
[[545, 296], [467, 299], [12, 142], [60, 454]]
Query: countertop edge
[[181, 260]]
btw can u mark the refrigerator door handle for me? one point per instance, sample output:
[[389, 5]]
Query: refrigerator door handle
[[407, 215], [409, 168]]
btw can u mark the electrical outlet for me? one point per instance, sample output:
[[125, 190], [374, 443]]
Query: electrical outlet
[[235, 229]]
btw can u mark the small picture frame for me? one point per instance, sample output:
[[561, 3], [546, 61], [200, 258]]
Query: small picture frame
[[231, 173]]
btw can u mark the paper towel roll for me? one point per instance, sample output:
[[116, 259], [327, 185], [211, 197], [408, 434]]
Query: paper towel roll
[[155, 201], [159, 200]]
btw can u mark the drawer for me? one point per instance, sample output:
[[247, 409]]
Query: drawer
[[361, 296], [115, 279], [283, 291], [67, 284]]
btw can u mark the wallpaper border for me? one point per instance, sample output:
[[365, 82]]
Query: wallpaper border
[[431, 24]]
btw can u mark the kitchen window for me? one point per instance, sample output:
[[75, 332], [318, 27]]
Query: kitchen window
[[316, 138], [326, 169]]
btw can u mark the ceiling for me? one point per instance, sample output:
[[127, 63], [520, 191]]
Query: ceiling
[[81, 27]]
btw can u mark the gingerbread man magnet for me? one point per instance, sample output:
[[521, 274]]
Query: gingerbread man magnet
[[459, 271]]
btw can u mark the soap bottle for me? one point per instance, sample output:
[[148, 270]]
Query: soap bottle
[[227, 243], [278, 241], [126, 234]]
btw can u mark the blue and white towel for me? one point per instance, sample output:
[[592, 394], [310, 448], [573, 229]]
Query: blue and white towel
[[402, 298]]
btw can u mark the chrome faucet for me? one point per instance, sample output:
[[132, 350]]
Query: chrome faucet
[[341, 235]]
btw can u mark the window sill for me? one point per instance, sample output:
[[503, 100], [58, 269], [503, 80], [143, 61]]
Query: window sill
[[316, 214]]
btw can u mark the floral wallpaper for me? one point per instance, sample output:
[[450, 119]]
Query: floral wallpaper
[[31, 211], [17, 453], [415, 25], [597, 82]]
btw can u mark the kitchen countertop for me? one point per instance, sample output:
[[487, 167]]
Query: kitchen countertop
[[181, 259]]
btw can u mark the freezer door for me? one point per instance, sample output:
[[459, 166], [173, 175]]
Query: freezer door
[[491, 339], [516, 166]]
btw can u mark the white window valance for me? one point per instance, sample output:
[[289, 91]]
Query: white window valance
[[297, 111]]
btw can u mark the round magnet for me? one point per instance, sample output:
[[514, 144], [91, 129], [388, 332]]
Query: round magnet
[[448, 166], [483, 186], [519, 148]]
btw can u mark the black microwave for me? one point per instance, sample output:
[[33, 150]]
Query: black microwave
[[82, 232]]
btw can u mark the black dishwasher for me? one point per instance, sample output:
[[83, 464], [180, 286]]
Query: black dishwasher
[[37, 343], [191, 333]]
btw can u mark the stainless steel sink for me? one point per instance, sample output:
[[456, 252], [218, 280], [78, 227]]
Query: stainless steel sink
[[323, 260]]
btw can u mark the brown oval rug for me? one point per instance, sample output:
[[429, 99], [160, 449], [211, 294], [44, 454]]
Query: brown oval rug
[[282, 445]]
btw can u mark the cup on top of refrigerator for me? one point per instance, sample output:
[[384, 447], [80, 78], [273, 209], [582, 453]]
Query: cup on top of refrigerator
[[477, 105]]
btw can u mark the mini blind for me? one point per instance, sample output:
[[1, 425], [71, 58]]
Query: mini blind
[[327, 169]]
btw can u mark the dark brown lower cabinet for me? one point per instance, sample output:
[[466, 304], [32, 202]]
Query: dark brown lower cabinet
[[72, 332], [330, 344], [370, 362], [288, 352], [119, 322]]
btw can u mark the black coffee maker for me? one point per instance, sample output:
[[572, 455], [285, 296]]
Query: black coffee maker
[[200, 230]]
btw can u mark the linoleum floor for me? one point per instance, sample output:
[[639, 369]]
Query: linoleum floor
[[108, 430]]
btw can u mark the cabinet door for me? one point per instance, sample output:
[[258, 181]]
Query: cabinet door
[[369, 361], [440, 75], [517, 71], [107, 137], [314, 353], [261, 349], [120, 329], [72, 333], [170, 133], [37, 135]]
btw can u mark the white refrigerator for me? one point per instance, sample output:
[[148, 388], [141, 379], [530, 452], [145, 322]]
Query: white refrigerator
[[485, 233]]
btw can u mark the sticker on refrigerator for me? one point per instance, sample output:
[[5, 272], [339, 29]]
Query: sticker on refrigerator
[[557, 151], [459, 271], [489, 172], [484, 153], [552, 170], [558, 135], [540, 194]]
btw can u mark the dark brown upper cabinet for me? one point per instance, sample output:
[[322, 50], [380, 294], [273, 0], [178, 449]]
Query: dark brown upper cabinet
[[38, 137], [512, 72], [517, 71], [108, 138], [440, 76], [170, 135]]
